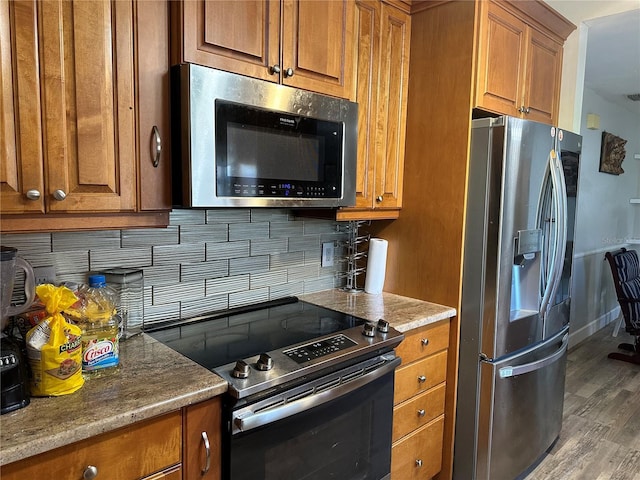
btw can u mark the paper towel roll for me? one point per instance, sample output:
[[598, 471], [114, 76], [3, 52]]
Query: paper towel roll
[[376, 265]]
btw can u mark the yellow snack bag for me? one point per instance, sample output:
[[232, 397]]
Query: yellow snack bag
[[54, 346]]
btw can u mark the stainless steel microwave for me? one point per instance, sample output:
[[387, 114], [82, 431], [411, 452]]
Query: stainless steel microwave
[[243, 142]]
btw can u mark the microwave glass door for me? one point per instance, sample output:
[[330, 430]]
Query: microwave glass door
[[264, 153]]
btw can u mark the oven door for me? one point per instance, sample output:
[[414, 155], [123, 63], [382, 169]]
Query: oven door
[[337, 426]]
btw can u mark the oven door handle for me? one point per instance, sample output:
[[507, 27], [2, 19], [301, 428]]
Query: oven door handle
[[251, 420]]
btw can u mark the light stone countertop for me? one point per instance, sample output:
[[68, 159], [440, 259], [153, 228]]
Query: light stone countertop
[[152, 380], [402, 313]]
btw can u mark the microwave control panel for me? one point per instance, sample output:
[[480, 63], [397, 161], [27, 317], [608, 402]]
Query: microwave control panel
[[286, 190]]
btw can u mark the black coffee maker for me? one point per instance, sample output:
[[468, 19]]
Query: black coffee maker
[[14, 382]]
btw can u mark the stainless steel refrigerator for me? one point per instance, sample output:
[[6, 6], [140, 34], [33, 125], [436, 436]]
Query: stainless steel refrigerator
[[514, 316]]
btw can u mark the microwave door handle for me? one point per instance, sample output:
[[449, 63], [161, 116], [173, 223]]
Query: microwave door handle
[[253, 420]]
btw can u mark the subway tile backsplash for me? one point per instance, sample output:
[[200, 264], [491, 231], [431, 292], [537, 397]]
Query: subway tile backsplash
[[206, 260]]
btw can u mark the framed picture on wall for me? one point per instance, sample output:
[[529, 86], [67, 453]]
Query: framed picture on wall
[[612, 154]]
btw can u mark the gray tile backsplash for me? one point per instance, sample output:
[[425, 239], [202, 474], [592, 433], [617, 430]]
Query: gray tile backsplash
[[206, 260]]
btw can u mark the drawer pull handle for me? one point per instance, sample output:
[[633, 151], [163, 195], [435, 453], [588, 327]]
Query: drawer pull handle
[[418, 463], [425, 342], [422, 379], [207, 449], [421, 412], [156, 149], [90, 473]]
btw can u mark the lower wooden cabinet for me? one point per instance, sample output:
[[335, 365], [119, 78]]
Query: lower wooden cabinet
[[419, 454], [148, 450], [127, 453], [419, 403]]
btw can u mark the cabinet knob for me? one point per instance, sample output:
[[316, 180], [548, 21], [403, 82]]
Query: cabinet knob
[[274, 69], [288, 72], [424, 342], [207, 450], [90, 473], [156, 146], [422, 379], [418, 463], [527, 110], [33, 194], [379, 198], [421, 412], [59, 195]]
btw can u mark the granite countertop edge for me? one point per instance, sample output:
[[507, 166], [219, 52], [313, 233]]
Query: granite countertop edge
[[402, 313]]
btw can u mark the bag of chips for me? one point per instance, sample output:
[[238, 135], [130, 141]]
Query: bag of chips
[[54, 346]]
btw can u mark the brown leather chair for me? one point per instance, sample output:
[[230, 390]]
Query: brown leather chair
[[625, 268]]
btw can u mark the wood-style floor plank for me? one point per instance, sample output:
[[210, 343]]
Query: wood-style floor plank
[[600, 437]]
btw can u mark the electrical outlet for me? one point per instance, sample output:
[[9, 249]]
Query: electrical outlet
[[45, 274], [327, 254]]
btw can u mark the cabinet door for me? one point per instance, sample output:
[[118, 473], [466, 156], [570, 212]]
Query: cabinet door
[[237, 36], [86, 65], [152, 94], [318, 47], [383, 35], [544, 70], [501, 55], [368, 63], [392, 107], [202, 420], [21, 162]]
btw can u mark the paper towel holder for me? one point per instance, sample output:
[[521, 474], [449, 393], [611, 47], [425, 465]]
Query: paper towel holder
[[354, 255]]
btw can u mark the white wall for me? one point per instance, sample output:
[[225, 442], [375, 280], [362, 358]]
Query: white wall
[[574, 52], [604, 216], [605, 219]]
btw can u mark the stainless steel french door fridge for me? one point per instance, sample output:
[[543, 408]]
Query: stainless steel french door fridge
[[514, 317]]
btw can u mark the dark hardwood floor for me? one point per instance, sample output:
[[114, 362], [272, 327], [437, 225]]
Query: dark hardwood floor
[[600, 437]]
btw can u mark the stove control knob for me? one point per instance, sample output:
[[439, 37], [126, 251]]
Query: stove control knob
[[369, 330], [383, 326], [241, 370], [265, 362]]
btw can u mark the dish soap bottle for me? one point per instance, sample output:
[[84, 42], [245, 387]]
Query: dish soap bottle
[[99, 324]]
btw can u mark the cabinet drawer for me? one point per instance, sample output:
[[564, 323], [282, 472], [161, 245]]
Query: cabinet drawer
[[127, 453], [418, 411], [418, 455], [424, 341], [420, 376]]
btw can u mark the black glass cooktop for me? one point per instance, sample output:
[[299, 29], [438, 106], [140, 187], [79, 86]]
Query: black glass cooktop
[[225, 338]]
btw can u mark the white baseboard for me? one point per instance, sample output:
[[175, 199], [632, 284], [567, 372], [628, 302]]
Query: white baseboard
[[579, 335]]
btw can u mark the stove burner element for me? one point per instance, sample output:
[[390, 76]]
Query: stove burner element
[[241, 370], [369, 330], [265, 362]]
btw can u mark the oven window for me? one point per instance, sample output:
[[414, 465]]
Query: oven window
[[347, 438]]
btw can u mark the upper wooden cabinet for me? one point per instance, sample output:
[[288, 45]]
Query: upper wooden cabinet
[[74, 119], [519, 64], [384, 35], [303, 44]]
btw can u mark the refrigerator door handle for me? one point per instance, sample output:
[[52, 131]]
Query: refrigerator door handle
[[509, 371], [561, 194], [560, 240]]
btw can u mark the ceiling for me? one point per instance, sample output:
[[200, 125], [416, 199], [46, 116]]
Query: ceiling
[[612, 66]]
